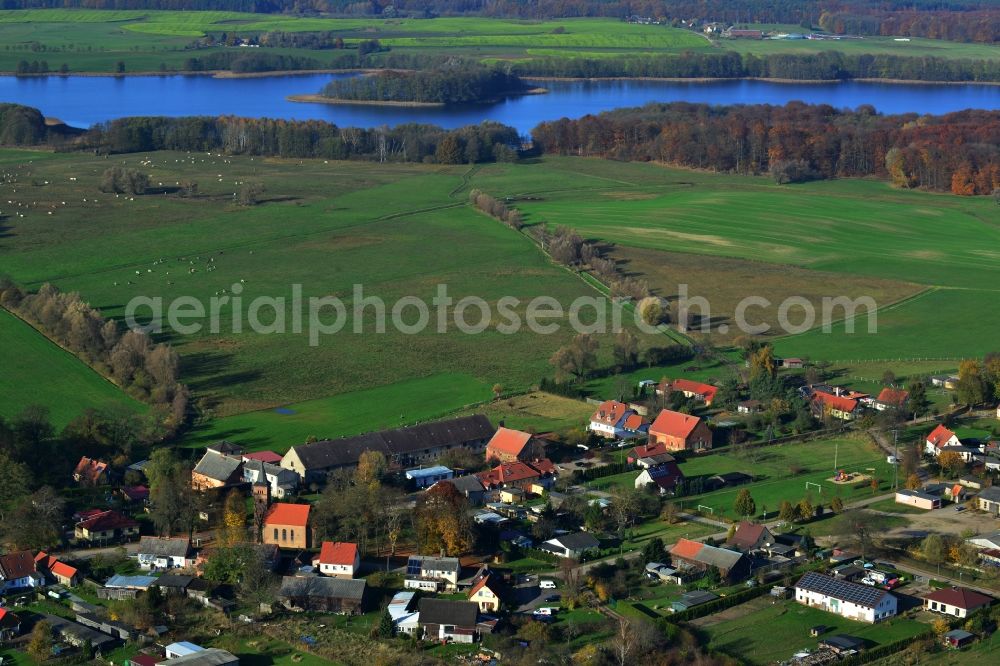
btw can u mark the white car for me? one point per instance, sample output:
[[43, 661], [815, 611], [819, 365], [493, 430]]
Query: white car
[[547, 584]]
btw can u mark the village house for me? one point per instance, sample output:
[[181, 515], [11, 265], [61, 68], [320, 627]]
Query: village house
[[269, 457], [835, 406], [664, 477], [287, 525], [134, 495], [106, 527], [486, 592], [447, 621], [508, 446], [432, 574], [161, 553], [282, 482], [751, 536], [470, 486], [750, 407], [425, 477], [217, 470], [574, 545], [56, 571], [402, 610], [92, 473], [338, 559], [609, 419], [890, 398], [988, 500], [680, 432], [10, 625], [649, 455], [534, 477], [939, 438], [701, 392], [956, 601], [733, 566], [323, 593], [17, 571], [854, 601], [403, 446]]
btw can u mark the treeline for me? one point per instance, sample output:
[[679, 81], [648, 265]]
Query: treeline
[[452, 85], [957, 152], [146, 371], [824, 66]]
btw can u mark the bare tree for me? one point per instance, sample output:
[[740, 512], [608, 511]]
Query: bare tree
[[625, 641]]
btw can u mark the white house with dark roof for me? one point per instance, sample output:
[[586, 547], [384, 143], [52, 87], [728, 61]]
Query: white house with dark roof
[[574, 545], [862, 603], [432, 574]]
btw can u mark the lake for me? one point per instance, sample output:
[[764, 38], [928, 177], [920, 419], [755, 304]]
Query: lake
[[85, 100]]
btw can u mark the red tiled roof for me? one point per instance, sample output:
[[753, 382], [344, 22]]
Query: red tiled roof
[[837, 402], [609, 412], [960, 597], [891, 396], [136, 493], [674, 424], [649, 450], [107, 520], [747, 534], [89, 470], [543, 465], [283, 513], [64, 570], [263, 456], [7, 618], [483, 582], [687, 549], [940, 436], [707, 391], [46, 562], [508, 473], [509, 441], [634, 422], [338, 552]]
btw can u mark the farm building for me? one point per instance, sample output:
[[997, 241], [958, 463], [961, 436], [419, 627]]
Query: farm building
[[853, 601], [692, 599], [680, 432], [323, 593], [989, 500], [732, 565], [425, 477]]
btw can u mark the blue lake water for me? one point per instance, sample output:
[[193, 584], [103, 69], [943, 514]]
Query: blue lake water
[[85, 100]]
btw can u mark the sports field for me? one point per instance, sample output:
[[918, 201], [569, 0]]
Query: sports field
[[95, 40], [38, 372]]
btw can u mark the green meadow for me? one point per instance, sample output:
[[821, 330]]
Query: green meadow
[[38, 372], [927, 260], [95, 40]]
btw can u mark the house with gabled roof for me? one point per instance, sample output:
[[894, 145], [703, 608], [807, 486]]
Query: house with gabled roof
[[837, 406], [509, 445], [91, 472], [324, 593], [854, 601], [680, 432], [338, 559], [106, 527], [432, 574], [530, 477], [217, 470], [700, 391], [664, 477], [448, 621], [283, 482], [890, 398], [10, 625], [988, 500], [58, 572], [161, 553], [486, 591], [956, 601], [750, 536], [608, 420], [574, 545], [939, 438], [17, 571]]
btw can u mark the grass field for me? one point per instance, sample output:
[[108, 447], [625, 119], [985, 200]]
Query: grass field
[[37, 372], [95, 40], [775, 481], [786, 626], [925, 257]]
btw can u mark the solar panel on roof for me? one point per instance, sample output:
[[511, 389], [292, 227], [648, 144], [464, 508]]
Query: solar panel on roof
[[413, 567], [862, 595]]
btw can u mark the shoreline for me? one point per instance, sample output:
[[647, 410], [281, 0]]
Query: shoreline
[[227, 74]]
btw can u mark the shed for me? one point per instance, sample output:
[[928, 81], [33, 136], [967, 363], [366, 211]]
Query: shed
[[958, 638]]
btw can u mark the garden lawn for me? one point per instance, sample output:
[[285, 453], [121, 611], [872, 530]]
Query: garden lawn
[[38, 372], [536, 412], [767, 631]]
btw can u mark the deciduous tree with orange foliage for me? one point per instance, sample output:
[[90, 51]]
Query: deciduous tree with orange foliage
[[442, 522]]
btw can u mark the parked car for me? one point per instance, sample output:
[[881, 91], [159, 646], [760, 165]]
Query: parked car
[[547, 584], [552, 597]]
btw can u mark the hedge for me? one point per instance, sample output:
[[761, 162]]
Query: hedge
[[720, 604], [880, 651]]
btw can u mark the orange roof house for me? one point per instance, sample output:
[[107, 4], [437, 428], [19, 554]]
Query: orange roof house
[[939, 438], [838, 406], [90, 472], [338, 559], [890, 397], [61, 572], [517, 474], [679, 432], [691, 389], [287, 525], [508, 445]]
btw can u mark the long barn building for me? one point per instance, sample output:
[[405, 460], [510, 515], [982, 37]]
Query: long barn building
[[413, 445]]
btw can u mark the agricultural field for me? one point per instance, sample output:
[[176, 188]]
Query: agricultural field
[[737, 631], [148, 41], [38, 372], [729, 237], [781, 473], [395, 230]]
